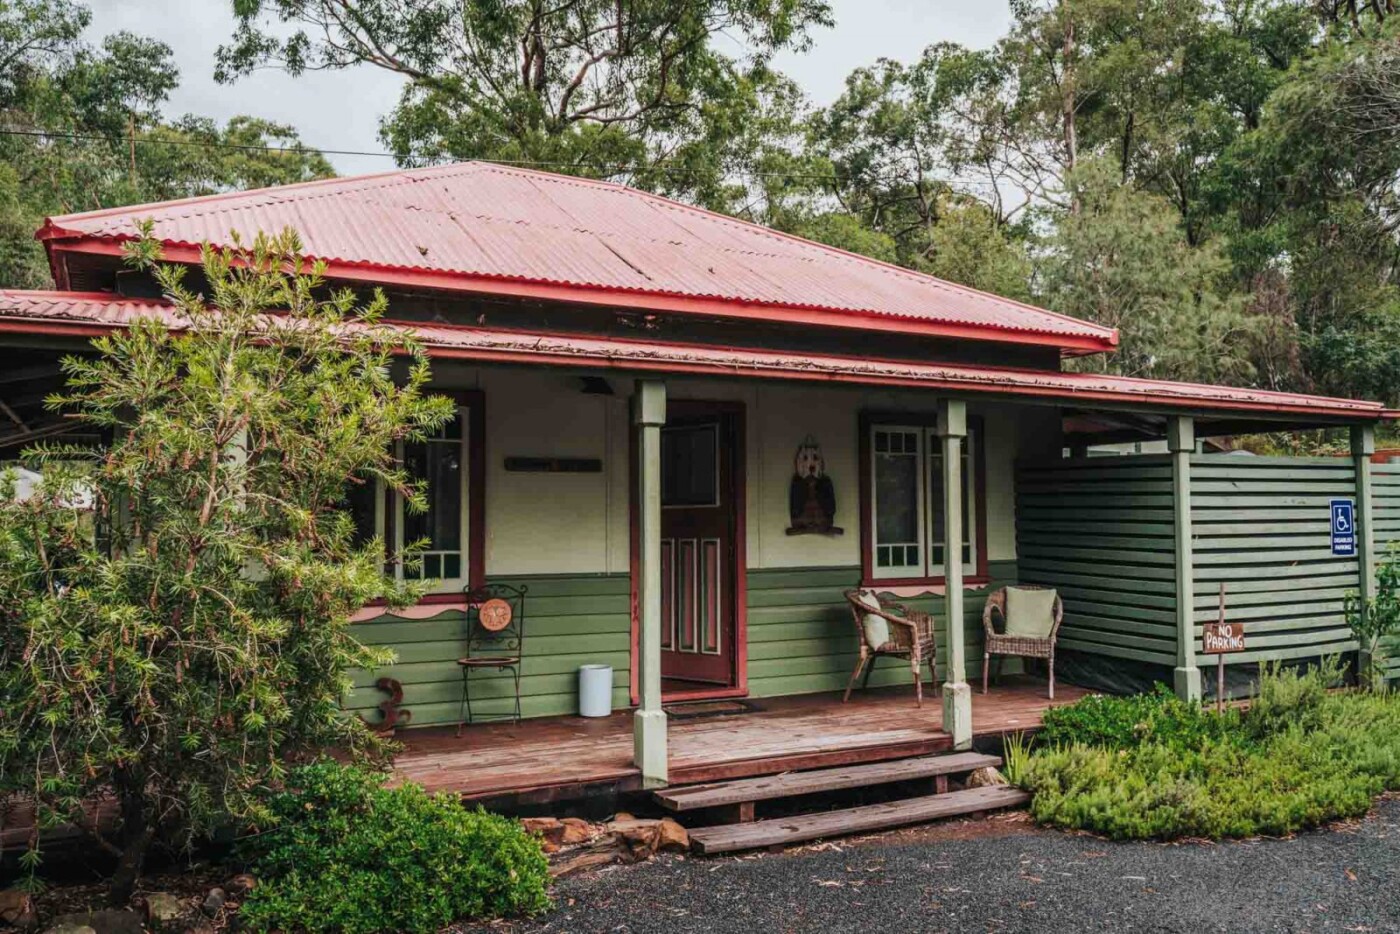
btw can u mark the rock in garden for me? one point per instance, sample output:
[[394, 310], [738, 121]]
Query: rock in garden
[[69, 928], [214, 901], [163, 910], [17, 909], [985, 776], [107, 921], [540, 826], [550, 830], [672, 836], [577, 830]]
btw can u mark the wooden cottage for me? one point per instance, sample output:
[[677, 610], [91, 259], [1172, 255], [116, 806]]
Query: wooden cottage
[[684, 436]]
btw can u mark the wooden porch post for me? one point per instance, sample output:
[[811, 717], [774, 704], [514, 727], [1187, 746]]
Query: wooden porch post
[[957, 696], [1181, 441], [649, 722], [1363, 445]]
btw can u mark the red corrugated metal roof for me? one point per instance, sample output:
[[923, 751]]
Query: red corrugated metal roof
[[456, 225], [89, 313]]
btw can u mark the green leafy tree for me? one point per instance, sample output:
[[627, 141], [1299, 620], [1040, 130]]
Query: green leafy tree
[[969, 246], [84, 130], [1122, 260], [178, 657], [580, 84]]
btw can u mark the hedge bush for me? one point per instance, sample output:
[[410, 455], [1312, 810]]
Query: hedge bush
[[349, 855], [1127, 722], [1154, 767]]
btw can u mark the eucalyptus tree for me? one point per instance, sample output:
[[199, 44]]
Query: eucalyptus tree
[[623, 89]]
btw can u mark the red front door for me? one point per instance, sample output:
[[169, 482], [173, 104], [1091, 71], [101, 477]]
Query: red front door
[[699, 547]]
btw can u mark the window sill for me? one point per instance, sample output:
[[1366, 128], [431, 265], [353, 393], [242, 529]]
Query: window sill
[[431, 605], [921, 586]]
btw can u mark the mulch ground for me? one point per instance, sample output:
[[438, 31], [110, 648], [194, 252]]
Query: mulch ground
[[1002, 874]]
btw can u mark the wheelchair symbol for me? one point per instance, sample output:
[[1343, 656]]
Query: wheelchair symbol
[[1341, 518]]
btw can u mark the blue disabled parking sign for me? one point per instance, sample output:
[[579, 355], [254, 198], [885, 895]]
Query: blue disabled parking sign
[[1343, 528]]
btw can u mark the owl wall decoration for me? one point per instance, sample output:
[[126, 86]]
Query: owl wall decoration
[[811, 495]]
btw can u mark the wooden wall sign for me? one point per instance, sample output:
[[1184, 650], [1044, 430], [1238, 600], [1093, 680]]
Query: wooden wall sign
[[554, 465]]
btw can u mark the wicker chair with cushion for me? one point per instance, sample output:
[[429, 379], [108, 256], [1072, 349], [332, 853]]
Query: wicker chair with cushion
[[888, 628], [1031, 617]]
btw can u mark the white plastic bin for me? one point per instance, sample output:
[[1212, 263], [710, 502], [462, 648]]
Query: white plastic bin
[[595, 690]]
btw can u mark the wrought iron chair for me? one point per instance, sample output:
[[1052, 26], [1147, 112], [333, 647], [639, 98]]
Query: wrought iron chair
[[911, 637], [1000, 644], [495, 642]]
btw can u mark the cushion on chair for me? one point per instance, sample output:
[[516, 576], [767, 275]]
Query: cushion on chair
[[877, 628], [1030, 612]]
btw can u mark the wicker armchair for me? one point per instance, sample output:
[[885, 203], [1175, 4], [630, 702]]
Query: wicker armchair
[[911, 637], [1001, 645]]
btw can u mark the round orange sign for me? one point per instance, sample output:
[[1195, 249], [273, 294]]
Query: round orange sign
[[494, 614]]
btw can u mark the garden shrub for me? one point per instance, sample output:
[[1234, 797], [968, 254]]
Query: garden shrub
[[1291, 697], [352, 856], [1154, 767], [1125, 722]]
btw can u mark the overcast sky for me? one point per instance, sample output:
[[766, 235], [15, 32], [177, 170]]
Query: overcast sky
[[341, 110]]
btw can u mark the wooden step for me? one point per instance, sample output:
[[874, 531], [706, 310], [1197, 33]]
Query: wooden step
[[784, 831], [769, 787]]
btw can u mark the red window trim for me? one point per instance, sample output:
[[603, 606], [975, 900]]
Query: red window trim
[[475, 402], [977, 428]]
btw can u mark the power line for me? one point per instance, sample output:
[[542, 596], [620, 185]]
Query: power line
[[309, 150]]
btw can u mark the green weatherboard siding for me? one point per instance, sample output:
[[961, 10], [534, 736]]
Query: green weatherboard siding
[[802, 638], [801, 641], [569, 621], [1099, 530]]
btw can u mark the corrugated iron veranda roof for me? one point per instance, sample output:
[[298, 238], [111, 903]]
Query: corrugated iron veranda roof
[[88, 314]]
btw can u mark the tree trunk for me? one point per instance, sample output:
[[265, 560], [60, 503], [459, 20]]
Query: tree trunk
[[1067, 106], [137, 834]]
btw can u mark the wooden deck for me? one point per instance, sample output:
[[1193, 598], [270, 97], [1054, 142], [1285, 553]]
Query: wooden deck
[[557, 757]]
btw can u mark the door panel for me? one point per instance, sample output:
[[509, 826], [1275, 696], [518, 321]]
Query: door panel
[[698, 547]]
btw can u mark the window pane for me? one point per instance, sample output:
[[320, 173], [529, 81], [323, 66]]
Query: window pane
[[360, 503], [936, 513], [896, 488], [438, 462], [690, 466]]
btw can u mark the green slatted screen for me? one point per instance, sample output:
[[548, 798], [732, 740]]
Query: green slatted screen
[[1262, 526], [1099, 530]]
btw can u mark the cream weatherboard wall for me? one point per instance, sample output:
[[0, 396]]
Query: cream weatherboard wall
[[566, 537]]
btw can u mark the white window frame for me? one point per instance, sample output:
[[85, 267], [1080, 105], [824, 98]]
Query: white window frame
[[928, 449]]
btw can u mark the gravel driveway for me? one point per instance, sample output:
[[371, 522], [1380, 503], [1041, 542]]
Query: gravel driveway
[[1002, 874]]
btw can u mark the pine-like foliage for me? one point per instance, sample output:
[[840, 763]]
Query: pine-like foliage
[[174, 608]]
